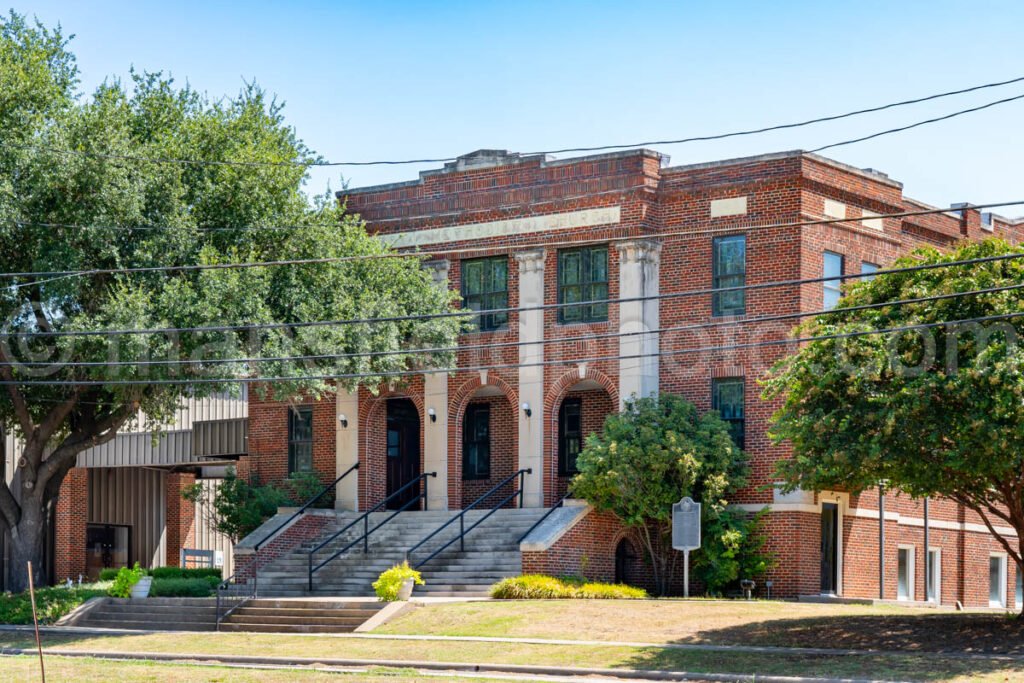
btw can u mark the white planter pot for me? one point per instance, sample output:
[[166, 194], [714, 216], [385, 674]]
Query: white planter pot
[[405, 592], [141, 589]]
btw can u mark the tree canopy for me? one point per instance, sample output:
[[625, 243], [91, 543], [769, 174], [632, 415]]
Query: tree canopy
[[71, 199], [935, 411], [651, 455]]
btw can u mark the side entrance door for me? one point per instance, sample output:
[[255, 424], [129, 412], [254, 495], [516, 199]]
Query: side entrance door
[[403, 451], [829, 548]]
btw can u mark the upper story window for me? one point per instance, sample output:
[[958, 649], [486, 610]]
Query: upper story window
[[476, 442], [485, 287], [570, 435], [868, 270], [583, 276], [300, 439], [832, 267], [729, 269], [727, 399]]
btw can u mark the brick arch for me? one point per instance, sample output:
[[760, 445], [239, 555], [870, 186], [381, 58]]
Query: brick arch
[[372, 465], [553, 484], [457, 405]]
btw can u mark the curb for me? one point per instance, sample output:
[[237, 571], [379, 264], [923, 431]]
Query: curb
[[465, 667]]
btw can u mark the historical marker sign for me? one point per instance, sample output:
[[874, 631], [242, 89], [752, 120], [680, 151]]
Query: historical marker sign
[[686, 525], [686, 534]]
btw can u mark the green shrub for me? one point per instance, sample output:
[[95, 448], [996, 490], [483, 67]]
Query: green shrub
[[108, 574], [51, 604], [185, 573], [540, 587], [124, 581], [183, 588], [388, 583]]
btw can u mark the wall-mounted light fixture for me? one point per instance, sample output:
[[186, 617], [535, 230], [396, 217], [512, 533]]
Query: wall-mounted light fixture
[[526, 410], [432, 414], [343, 420]]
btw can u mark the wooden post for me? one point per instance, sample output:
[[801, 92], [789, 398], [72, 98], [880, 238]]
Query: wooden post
[[35, 621]]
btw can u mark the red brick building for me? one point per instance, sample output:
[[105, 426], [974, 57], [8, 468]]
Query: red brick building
[[629, 226]]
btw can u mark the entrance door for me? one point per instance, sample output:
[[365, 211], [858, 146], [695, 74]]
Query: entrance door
[[107, 546], [829, 547], [403, 450]]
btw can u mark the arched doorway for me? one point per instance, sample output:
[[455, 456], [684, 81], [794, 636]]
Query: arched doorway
[[487, 446], [579, 411], [402, 450], [625, 562]]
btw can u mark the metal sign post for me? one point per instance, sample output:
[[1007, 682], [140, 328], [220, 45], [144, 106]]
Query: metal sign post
[[686, 534]]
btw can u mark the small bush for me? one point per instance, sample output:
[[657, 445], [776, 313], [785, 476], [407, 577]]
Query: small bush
[[185, 573], [183, 588], [125, 580], [108, 574], [387, 585], [540, 587], [51, 604]]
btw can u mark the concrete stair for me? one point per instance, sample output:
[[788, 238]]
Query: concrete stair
[[300, 616], [491, 553], [153, 614]]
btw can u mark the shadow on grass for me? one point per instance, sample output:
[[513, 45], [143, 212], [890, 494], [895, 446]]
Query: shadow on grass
[[924, 647]]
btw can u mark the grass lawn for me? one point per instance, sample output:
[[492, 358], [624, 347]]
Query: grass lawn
[[786, 624], [83, 669], [900, 667]]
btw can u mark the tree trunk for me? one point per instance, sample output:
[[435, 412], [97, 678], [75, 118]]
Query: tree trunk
[[28, 544]]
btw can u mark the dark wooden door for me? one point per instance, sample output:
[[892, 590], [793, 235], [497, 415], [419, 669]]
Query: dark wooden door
[[829, 547], [403, 451]]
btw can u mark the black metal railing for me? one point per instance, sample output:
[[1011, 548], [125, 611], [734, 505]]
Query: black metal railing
[[225, 594], [560, 503], [365, 519], [461, 518]]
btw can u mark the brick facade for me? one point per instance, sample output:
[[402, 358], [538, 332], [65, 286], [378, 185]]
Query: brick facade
[[180, 516], [508, 204]]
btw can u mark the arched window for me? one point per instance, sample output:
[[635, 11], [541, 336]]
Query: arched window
[[625, 562]]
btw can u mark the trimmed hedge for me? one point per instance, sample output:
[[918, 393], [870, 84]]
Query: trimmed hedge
[[540, 587], [202, 587], [51, 603], [169, 573]]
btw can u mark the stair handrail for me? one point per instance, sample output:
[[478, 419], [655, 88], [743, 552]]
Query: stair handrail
[[364, 518], [461, 517], [254, 593], [305, 507], [560, 503]]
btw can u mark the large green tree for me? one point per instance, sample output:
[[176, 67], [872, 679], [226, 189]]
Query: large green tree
[[71, 211], [651, 455], [936, 411]]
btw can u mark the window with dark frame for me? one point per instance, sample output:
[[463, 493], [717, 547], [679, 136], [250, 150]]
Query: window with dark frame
[[583, 276], [868, 270], [570, 435], [484, 283], [476, 442], [831, 290], [300, 440], [729, 269], [727, 399]]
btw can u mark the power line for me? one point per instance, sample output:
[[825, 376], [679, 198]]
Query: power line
[[436, 160], [890, 131], [54, 275], [577, 361], [520, 343], [468, 313]]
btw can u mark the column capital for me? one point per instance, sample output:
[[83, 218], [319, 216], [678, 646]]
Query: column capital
[[639, 251], [530, 261], [438, 270]]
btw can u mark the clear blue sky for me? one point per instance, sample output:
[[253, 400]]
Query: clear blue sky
[[388, 79]]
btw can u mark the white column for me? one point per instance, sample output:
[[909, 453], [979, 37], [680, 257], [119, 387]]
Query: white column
[[346, 448], [435, 432], [435, 439], [531, 379], [639, 262]]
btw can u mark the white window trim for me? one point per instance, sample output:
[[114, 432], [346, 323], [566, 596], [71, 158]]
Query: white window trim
[[911, 571], [1002, 583], [937, 586]]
